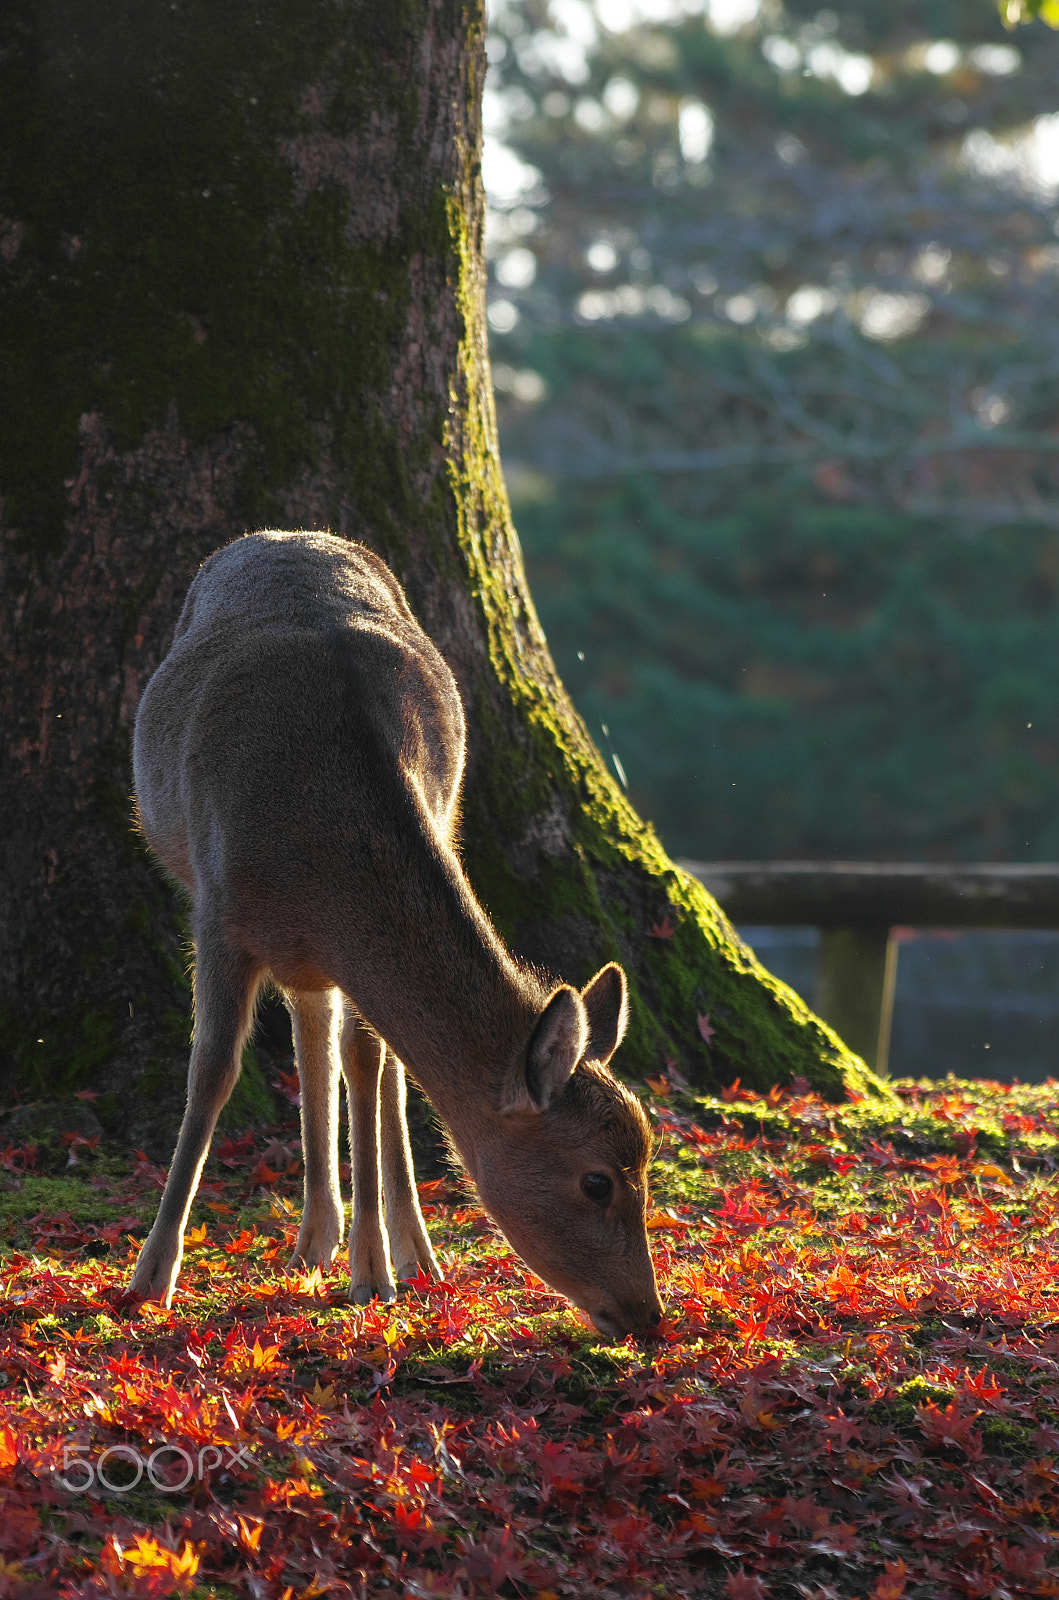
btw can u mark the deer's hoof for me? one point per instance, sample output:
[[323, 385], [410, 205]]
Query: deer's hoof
[[317, 1247], [361, 1294], [153, 1284], [307, 1261], [412, 1269]]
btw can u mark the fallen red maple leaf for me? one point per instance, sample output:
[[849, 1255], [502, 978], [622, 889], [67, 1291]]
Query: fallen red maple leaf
[[263, 1176], [950, 1427], [742, 1586], [892, 1584], [288, 1084], [705, 1028], [231, 1150]]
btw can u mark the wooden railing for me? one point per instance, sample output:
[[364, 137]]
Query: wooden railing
[[856, 905]]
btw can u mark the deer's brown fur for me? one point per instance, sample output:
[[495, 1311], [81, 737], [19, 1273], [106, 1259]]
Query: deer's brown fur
[[298, 758]]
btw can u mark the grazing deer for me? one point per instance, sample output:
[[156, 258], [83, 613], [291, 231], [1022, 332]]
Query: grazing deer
[[298, 757]]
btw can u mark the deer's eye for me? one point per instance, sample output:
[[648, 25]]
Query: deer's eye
[[597, 1186]]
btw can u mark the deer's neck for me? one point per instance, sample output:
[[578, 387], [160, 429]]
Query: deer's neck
[[445, 995]]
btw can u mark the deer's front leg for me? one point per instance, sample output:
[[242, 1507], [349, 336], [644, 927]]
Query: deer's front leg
[[363, 1054], [314, 1022], [409, 1244], [225, 987]]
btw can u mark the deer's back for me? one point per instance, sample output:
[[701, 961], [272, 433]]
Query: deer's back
[[302, 729]]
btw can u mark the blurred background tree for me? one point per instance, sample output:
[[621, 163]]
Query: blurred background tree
[[774, 305]]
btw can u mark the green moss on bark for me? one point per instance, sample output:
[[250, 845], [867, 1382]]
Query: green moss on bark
[[613, 864], [252, 1103]]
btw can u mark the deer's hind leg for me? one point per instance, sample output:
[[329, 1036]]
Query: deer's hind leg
[[314, 1022], [226, 984], [409, 1244], [363, 1055]]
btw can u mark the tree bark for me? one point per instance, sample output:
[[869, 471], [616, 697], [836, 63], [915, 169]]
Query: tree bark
[[241, 255]]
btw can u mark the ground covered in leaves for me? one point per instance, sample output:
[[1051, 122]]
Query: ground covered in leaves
[[855, 1392]]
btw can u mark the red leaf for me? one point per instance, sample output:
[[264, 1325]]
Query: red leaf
[[949, 1427], [892, 1584], [288, 1085], [705, 1029], [263, 1176], [741, 1586], [231, 1150], [676, 1078], [662, 930], [239, 1246]]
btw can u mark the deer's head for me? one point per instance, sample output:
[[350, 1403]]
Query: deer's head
[[563, 1171]]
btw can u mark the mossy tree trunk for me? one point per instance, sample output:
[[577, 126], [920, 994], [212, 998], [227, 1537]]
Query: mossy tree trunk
[[240, 250]]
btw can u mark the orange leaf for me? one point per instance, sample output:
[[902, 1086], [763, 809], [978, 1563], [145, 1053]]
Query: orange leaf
[[290, 1489], [239, 1247], [146, 1555], [985, 1169], [290, 1428], [313, 1590], [255, 1358], [668, 1221], [322, 1396], [945, 1168], [892, 1584], [311, 1282], [249, 1537]]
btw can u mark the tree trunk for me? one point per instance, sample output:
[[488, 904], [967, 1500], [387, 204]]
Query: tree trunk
[[241, 256]]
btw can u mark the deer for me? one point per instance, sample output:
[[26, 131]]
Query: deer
[[298, 758]]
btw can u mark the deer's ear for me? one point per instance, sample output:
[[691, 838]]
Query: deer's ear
[[556, 1046], [607, 1007]]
